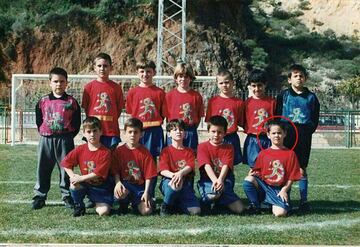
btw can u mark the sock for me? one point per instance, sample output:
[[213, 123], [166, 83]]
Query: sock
[[251, 193], [303, 187]]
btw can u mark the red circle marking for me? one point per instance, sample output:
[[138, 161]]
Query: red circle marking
[[273, 117]]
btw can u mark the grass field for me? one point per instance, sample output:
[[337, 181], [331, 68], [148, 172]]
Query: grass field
[[334, 178]]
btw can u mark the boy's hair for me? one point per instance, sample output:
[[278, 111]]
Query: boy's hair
[[91, 123], [104, 56], [58, 71], [275, 122], [257, 76], [297, 67], [183, 68], [217, 121], [144, 63], [175, 123], [133, 123], [225, 73]]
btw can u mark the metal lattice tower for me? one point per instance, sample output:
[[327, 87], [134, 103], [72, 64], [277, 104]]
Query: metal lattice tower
[[171, 37]]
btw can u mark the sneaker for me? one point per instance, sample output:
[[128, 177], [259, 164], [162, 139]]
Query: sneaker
[[69, 203], [165, 210], [253, 210], [123, 209], [205, 209], [304, 207], [89, 203], [79, 210], [38, 202]]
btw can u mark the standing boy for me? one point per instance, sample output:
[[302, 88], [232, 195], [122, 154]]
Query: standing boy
[[257, 108], [302, 107], [275, 170], [58, 121], [186, 104], [177, 164], [94, 161], [134, 170], [215, 160], [229, 107], [103, 98]]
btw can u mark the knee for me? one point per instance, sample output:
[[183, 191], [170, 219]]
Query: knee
[[144, 210], [102, 210], [194, 210], [213, 196], [250, 179], [279, 212], [303, 172], [236, 207]]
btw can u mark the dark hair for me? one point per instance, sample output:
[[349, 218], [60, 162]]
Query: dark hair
[[275, 122], [133, 123], [217, 121], [91, 123], [58, 71], [297, 67], [144, 63], [257, 76], [104, 56], [175, 123], [225, 73]]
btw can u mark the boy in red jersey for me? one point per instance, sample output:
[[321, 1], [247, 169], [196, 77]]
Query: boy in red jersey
[[94, 161], [133, 168], [229, 107], [275, 170], [177, 164], [147, 103], [257, 108], [186, 104], [215, 160], [103, 98]]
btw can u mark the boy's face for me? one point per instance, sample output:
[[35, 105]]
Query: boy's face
[[276, 134], [102, 68], [257, 89], [217, 134], [225, 85], [92, 135], [177, 134], [58, 84], [297, 80], [146, 76], [132, 135], [183, 81]]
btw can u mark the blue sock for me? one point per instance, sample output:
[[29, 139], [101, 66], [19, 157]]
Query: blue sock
[[303, 186], [251, 193]]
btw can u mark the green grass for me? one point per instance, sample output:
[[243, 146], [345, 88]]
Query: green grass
[[334, 194]]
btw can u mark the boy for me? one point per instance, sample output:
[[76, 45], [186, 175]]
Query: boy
[[186, 104], [229, 107], [94, 161], [58, 121], [134, 169], [147, 103], [275, 170], [257, 108], [177, 164], [103, 98], [302, 107], [215, 160]]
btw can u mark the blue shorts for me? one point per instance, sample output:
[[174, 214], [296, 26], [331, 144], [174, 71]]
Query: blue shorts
[[110, 141], [153, 140], [135, 193], [191, 138], [182, 199], [228, 195], [233, 139], [252, 149], [270, 195]]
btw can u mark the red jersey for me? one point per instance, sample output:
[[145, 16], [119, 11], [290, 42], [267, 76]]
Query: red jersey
[[174, 160], [215, 156], [188, 106], [133, 165], [98, 162], [256, 111], [277, 166], [229, 108], [104, 101], [146, 104]]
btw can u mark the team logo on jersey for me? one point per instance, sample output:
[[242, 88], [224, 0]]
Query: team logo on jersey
[[54, 120], [228, 115], [277, 172], [297, 116], [148, 108], [133, 172], [218, 164], [260, 115], [90, 167], [186, 110], [103, 102], [180, 164]]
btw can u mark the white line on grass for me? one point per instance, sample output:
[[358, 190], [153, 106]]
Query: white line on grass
[[188, 231]]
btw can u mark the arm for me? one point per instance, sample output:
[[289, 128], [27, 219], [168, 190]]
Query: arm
[[146, 196], [315, 115], [119, 189], [178, 177], [217, 184], [283, 192], [39, 116], [279, 104], [76, 119]]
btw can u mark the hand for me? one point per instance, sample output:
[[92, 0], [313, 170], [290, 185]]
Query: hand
[[75, 179], [120, 191], [283, 195], [177, 180], [147, 199], [251, 172], [218, 185]]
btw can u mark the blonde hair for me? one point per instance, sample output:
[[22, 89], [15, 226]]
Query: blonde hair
[[183, 68]]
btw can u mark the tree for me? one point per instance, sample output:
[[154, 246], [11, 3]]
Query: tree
[[350, 88]]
